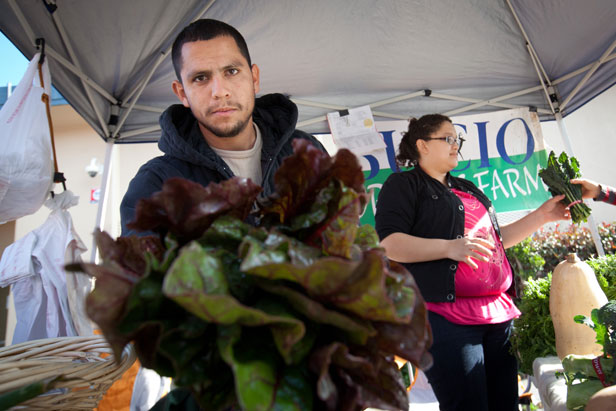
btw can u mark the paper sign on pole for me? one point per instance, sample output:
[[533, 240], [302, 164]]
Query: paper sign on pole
[[354, 129]]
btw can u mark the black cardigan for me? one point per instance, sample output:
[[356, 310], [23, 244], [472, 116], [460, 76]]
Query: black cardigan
[[414, 203]]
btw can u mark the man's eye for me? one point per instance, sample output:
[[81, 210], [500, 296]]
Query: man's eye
[[199, 78], [233, 71]]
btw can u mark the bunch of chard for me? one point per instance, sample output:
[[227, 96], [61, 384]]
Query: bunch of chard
[[557, 175], [300, 310]]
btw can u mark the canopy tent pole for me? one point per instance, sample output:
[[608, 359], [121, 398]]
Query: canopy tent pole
[[137, 91], [560, 121], [492, 102], [589, 73], [71, 53], [548, 93], [529, 45], [145, 108], [103, 199], [475, 103], [140, 131], [56, 56], [552, 99]]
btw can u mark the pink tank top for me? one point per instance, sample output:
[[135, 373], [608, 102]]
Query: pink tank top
[[481, 296]]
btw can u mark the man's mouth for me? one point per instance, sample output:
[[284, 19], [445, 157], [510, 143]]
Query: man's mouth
[[223, 110]]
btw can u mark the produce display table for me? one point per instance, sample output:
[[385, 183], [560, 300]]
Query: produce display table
[[552, 390]]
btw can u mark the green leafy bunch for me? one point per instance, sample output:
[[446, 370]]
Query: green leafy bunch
[[581, 375], [298, 310], [556, 175], [533, 335]]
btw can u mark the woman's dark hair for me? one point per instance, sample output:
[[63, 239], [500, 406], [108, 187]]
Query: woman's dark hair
[[205, 29], [419, 129]]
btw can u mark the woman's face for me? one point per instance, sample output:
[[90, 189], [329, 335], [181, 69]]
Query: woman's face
[[437, 153]]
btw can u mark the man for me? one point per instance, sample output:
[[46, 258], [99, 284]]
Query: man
[[220, 129]]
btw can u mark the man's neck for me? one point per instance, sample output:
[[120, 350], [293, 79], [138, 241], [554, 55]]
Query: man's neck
[[245, 140]]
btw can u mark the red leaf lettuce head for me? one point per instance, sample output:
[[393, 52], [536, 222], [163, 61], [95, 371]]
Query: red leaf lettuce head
[[303, 175], [186, 209]]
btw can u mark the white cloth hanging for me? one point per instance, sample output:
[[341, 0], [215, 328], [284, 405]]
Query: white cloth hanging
[[48, 302]]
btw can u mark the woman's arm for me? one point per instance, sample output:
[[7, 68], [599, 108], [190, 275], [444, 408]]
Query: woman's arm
[[551, 210], [405, 248]]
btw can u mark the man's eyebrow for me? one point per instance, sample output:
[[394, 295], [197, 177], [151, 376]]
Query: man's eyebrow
[[196, 73], [233, 64]]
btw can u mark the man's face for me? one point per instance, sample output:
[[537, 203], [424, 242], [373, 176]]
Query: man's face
[[218, 86]]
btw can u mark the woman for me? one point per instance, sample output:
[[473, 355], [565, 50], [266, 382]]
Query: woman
[[444, 230]]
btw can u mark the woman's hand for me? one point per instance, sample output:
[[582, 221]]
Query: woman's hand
[[554, 210], [468, 249]]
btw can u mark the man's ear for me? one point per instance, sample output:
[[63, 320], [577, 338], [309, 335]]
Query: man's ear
[[255, 77], [178, 90]]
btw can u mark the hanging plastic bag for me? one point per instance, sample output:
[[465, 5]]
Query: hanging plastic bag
[[26, 161]]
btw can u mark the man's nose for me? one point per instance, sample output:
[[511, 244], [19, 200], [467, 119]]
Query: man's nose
[[220, 87]]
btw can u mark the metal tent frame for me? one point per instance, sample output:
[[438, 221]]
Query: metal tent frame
[[113, 126]]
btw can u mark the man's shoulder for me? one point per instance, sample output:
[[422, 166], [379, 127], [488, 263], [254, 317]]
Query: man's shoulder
[[307, 136]]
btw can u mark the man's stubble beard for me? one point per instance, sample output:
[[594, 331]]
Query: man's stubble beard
[[236, 129]]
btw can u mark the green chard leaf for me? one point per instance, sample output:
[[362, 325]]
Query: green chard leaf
[[355, 286], [357, 330], [366, 237], [196, 281], [261, 382]]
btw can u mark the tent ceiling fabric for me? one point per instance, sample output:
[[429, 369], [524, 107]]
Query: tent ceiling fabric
[[325, 54]]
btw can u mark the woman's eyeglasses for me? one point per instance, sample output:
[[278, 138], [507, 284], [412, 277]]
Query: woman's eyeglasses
[[451, 140]]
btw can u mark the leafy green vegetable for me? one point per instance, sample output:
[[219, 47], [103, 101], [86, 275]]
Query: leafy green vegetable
[[580, 373], [556, 175], [301, 311], [17, 396], [579, 394], [603, 321], [533, 334], [605, 270]]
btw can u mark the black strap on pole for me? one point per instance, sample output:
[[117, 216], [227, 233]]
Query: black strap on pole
[[51, 7]]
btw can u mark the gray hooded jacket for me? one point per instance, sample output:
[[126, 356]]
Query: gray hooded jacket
[[187, 154]]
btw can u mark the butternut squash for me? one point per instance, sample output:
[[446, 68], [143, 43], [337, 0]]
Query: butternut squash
[[602, 400], [574, 290]]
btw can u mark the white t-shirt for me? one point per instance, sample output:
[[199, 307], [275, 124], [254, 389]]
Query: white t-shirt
[[245, 163]]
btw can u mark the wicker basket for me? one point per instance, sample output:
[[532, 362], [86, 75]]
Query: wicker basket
[[87, 364]]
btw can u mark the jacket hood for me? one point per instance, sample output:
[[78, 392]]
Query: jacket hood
[[274, 114]]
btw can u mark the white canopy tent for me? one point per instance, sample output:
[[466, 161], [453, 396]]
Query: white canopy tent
[[110, 59]]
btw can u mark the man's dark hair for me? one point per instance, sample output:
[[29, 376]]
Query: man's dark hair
[[205, 29]]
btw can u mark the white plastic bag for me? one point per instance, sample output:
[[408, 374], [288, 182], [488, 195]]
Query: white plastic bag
[[26, 161]]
